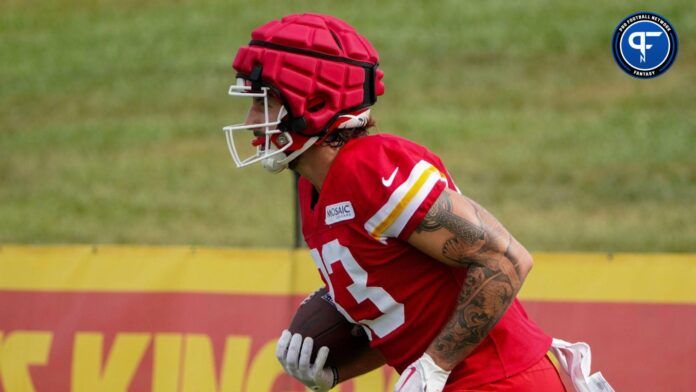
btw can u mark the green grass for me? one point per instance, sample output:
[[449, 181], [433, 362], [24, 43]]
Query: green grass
[[110, 117]]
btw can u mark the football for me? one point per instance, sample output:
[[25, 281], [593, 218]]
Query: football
[[318, 318]]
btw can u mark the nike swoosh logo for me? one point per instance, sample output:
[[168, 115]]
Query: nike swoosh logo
[[388, 181]]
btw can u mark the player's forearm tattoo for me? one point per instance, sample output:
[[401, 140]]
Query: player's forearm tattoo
[[492, 282]]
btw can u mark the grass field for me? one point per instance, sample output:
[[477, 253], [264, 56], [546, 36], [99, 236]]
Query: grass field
[[110, 118]]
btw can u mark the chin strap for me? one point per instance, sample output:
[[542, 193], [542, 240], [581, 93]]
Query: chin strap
[[280, 161]]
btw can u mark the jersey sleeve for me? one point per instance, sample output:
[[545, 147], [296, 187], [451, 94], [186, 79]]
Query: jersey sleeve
[[402, 180]]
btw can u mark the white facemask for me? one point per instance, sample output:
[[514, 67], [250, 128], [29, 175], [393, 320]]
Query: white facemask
[[272, 158]]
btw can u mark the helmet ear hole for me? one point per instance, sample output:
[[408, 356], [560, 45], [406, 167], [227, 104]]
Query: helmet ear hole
[[315, 104]]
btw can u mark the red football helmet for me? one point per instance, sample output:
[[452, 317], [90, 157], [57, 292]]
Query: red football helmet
[[325, 74]]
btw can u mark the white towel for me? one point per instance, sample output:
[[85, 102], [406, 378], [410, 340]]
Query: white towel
[[575, 358]]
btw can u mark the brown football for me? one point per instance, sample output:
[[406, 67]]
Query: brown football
[[317, 317]]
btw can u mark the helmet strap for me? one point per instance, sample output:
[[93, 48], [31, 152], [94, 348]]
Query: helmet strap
[[255, 77], [309, 143], [277, 162]]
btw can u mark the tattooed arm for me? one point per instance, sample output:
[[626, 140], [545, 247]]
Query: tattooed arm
[[459, 232]]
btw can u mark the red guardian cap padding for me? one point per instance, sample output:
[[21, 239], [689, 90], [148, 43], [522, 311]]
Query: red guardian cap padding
[[319, 66]]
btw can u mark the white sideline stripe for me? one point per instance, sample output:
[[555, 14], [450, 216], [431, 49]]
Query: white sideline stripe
[[393, 230]]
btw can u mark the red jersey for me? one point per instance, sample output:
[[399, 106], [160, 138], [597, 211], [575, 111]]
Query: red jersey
[[378, 189]]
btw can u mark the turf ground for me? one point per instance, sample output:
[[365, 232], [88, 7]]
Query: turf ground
[[110, 117]]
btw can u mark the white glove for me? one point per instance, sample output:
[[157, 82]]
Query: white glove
[[422, 376], [294, 355]]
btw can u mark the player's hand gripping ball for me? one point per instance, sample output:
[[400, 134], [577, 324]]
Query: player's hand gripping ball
[[423, 375], [318, 319], [294, 354], [317, 330]]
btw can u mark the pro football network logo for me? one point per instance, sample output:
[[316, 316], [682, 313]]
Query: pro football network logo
[[644, 45]]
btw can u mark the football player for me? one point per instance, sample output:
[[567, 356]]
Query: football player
[[430, 274]]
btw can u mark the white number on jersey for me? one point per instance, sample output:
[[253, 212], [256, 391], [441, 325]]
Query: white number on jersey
[[392, 312]]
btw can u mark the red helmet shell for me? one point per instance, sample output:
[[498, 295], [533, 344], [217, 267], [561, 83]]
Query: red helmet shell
[[318, 64]]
